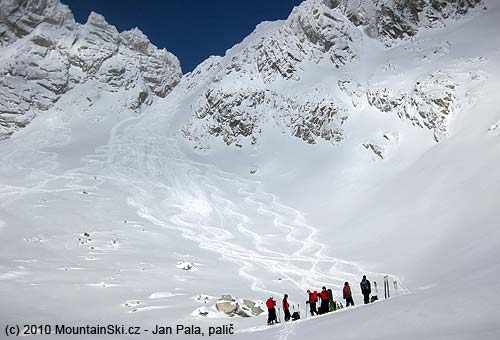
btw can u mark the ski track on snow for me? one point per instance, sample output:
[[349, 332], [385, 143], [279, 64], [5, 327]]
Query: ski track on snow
[[178, 194], [184, 195]]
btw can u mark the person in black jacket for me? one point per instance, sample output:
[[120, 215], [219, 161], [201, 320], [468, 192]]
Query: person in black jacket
[[325, 301], [366, 289]]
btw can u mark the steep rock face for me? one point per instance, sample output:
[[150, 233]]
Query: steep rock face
[[239, 116], [19, 18], [313, 32], [397, 19], [44, 54]]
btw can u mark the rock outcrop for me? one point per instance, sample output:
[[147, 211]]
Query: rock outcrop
[[429, 105], [398, 19], [240, 116], [232, 307]]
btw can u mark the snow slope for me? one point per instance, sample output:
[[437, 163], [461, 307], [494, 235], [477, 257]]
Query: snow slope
[[101, 207]]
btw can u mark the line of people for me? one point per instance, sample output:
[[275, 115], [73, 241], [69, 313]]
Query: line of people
[[324, 297]]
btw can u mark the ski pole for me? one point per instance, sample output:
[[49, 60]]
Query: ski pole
[[388, 288], [385, 287]]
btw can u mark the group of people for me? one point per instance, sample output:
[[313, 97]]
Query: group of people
[[325, 299], [366, 290], [271, 309]]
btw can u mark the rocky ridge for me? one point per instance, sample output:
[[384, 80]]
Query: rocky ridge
[[388, 20], [45, 53]]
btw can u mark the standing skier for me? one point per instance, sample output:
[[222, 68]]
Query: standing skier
[[312, 302], [366, 289], [332, 306], [348, 295], [325, 301], [271, 311], [286, 308]]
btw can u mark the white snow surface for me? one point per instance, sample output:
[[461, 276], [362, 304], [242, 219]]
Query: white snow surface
[[100, 206]]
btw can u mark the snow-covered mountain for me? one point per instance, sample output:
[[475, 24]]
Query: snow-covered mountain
[[45, 54], [355, 137], [260, 79]]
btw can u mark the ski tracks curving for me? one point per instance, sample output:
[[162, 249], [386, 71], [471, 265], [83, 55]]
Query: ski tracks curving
[[221, 212]]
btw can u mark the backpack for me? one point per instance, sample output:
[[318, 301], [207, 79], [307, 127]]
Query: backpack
[[365, 286], [270, 303], [347, 291], [295, 316]]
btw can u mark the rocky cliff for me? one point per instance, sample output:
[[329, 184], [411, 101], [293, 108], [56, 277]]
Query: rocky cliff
[[44, 53]]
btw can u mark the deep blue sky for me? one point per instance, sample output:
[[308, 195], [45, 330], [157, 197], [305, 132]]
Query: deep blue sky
[[191, 29]]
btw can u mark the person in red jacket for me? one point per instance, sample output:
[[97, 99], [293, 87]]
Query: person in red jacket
[[313, 297], [325, 301], [271, 311], [348, 295], [286, 308]]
